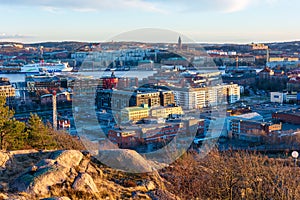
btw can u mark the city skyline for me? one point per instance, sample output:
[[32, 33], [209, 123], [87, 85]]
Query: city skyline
[[203, 21]]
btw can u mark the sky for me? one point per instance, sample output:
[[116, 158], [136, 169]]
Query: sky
[[205, 21]]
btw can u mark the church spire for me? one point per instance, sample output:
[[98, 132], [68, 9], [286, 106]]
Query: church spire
[[179, 43]]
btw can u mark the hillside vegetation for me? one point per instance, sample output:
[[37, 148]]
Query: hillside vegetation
[[34, 134], [37, 162]]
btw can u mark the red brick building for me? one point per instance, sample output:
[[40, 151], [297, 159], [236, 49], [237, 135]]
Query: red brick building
[[160, 134], [124, 139], [108, 83], [245, 126], [292, 117]]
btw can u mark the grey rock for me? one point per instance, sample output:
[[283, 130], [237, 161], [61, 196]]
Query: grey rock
[[84, 182], [68, 158], [124, 160], [47, 173]]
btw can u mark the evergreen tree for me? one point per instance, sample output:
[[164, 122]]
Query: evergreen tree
[[9, 127], [17, 137], [38, 134]]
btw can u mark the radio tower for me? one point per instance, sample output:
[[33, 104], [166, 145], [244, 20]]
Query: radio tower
[[54, 103]]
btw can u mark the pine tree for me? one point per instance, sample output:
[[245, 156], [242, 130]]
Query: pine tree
[[10, 129], [38, 134], [16, 139]]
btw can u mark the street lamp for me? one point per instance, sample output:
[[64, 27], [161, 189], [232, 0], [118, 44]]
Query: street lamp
[[295, 155]]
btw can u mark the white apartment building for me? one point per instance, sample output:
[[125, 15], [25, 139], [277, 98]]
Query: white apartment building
[[278, 97], [233, 93], [189, 98], [195, 98]]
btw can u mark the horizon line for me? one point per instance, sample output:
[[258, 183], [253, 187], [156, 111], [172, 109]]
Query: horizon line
[[152, 42]]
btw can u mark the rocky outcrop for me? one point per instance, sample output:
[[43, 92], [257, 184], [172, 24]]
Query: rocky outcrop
[[67, 159], [64, 175], [48, 172]]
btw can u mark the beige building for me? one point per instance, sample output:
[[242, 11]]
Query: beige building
[[134, 113], [149, 98], [165, 112], [276, 59], [293, 59]]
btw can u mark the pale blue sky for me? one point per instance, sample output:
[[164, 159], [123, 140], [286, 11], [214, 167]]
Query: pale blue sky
[[239, 21]]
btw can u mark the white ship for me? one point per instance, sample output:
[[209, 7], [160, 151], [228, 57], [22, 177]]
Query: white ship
[[49, 67]]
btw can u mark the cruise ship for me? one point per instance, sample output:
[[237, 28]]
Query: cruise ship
[[49, 67]]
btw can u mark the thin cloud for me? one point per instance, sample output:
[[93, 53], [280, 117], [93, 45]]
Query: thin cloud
[[16, 36], [161, 6], [50, 9], [225, 6], [86, 5], [237, 5]]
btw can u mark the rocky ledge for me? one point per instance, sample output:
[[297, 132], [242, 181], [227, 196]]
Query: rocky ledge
[[63, 175]]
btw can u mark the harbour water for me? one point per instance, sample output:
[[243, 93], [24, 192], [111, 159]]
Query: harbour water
[[139, 74]]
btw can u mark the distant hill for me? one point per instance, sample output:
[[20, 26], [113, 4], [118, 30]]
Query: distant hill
[[68, 45]]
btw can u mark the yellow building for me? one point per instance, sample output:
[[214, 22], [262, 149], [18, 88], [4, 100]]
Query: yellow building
[[6, 88], [293, 59], [259, 47], [276, 59], [134, 113], [165, 112]]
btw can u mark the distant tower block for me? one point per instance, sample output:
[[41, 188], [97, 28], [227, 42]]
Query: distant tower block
[[54, 110], [179, 43]]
